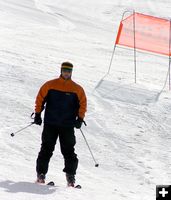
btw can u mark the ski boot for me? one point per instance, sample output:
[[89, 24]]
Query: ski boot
[[70, 180], [40, 178]]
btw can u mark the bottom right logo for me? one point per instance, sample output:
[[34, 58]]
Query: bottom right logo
[[163, 192]]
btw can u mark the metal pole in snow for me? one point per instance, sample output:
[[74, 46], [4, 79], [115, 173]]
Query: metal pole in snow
[[169, 55], [113, 52], [135, 61]]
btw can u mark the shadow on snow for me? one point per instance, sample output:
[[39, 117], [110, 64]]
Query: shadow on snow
[[26, 187]]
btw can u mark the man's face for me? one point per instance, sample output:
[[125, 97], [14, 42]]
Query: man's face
[[66, 74]]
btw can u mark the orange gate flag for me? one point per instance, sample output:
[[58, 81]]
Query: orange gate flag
[[151, 33]]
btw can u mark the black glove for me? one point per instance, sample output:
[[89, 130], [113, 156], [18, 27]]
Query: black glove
[[78, 122], [38, 119]]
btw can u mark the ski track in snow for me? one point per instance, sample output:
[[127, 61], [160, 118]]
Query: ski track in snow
[[128, 125]]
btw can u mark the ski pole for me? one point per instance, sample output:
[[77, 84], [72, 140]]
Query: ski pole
[[13, 134], [96, 164]]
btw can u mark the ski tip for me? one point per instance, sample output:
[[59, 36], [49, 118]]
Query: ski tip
[[51, 183], [78, 186]]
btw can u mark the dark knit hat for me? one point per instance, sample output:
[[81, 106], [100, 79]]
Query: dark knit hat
[[66, 66]]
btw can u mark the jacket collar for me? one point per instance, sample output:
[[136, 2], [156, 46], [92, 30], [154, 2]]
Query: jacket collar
[[62, 80]]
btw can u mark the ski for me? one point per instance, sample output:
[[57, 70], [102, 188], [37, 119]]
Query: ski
[[77, 186], [51, 183]]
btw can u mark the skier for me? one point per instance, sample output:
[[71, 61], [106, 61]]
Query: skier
[[65, 109]]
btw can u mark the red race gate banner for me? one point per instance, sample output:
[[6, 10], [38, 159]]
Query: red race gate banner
[[145, 32]]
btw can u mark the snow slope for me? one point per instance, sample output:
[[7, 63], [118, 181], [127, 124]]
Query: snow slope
[[128, 124]]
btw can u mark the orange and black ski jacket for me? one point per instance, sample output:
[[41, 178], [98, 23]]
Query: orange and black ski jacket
[[65, 101]]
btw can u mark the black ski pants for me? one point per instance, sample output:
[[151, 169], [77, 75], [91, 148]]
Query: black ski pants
[[67, 142]]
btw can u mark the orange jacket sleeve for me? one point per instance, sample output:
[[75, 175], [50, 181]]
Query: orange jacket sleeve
[[82, 102], [41, 98]]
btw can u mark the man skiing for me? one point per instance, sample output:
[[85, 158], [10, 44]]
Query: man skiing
[[65, 109]]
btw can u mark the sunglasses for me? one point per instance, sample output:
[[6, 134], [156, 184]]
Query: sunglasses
[[66, 70]]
